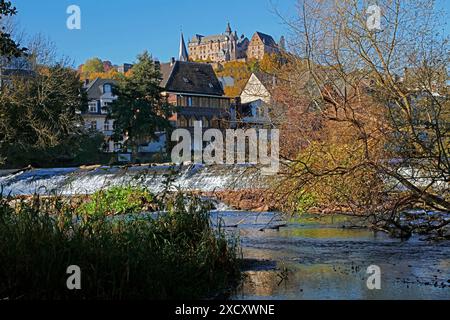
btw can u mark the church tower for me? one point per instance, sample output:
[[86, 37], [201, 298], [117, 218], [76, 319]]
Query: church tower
[[183, 56]]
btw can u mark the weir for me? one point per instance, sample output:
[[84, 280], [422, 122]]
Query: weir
[[81, 181]]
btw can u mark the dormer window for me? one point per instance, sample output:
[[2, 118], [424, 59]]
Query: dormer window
[[107, 88], [211, 85]]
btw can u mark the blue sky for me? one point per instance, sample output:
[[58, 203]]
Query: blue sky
[[118, 30]]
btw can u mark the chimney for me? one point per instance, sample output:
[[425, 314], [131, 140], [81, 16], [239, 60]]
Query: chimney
[[86, 82], [172, 61]]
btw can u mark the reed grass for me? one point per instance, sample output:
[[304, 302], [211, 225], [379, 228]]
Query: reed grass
[[171, 255]]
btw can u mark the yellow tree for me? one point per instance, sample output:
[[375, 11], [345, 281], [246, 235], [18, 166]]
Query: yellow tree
[[240, 71]]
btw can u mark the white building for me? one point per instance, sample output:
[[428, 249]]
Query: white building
[[100, 97], [256, 100]]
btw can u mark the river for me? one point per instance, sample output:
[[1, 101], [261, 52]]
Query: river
[[316, 258], [308, 258]]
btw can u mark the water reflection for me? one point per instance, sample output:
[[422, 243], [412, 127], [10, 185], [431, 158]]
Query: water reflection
[[325, 233], [318, 259]]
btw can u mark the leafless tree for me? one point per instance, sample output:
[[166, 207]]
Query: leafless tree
[[371, 108]]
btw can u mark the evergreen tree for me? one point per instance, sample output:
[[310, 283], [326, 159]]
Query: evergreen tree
[[140, 110], [8, 48]]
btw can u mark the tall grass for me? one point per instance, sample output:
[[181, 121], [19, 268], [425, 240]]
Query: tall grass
[[175, 255]]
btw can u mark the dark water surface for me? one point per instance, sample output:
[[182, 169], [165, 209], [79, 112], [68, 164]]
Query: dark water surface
[[313, 258]]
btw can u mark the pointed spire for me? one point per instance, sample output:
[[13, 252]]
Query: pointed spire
[[228, 30], [184, 56]]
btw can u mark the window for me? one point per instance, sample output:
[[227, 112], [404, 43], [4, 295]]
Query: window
[[106, 126], [213, 103], [191, 121], [204, 102], [195, 101], [185, 101], [260, 111], [105, 106], [107, 88], [182, 123], [93, 107], [205, 122]]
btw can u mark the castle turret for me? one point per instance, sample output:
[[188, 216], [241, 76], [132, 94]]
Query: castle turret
[[228, 30]]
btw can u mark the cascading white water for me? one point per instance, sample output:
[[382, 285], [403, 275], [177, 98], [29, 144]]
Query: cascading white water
[[78, 181]]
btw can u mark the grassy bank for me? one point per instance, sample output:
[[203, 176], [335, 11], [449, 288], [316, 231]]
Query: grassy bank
[[176, 255]]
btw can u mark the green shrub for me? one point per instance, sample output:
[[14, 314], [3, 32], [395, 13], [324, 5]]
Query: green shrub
[[305, 201], [118, 201]]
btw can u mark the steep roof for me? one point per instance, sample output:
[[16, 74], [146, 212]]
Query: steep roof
[[166, 70], [94, 88], [266, 39], [190, 77], [211, 38], [228, 35]]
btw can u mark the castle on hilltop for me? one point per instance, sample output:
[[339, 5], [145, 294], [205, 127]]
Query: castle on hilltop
[[229, 47]]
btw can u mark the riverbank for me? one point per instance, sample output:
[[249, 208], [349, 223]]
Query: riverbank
[[262, 200]]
